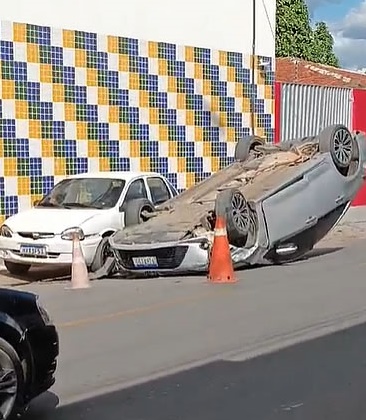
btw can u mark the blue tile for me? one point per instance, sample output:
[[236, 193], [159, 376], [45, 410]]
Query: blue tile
[[118, 97], [81, 164], [90, 41], [69, 75], [35, 166], [7, 129], [2, 186], [11, 205], [172, 178], [48, 181], [102, 61], [80, 94], [112, 77], [33, 91], [211, 134], [139, 132], [158, 100], [22, 148], [159, 164], [70, 148], [20, 71], [6, 51], [167, 51], [58, 130]]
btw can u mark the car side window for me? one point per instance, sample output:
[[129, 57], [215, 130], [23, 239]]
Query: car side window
[[136, 190], [159, 190]]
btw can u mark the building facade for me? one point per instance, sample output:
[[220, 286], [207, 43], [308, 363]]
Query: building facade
[[166, 86]]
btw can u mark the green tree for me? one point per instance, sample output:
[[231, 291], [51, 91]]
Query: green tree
[[322, 46], [295, 37], [293, 30]]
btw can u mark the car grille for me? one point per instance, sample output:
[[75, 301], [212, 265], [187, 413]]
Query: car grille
[[36, 235], [168, 258]]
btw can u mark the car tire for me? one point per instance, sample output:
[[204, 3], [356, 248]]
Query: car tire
[[10, 361], [16, 268], [232, 205], [101, 255], [134, 210], [339, 142], [245, 145]]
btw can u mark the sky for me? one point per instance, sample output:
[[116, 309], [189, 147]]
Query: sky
[[346, 20]]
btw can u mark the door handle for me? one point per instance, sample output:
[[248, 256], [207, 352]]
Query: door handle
[[311, 220], [339, 199]]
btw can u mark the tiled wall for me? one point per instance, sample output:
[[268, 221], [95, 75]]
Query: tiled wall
[[74, 101]]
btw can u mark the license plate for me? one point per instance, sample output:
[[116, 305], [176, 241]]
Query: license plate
[[33, 251], [145, 262]]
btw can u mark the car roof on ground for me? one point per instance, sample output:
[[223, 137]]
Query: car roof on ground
[[125, 175]]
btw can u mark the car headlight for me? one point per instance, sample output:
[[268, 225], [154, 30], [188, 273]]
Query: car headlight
[[68, 234], [6, 231], [43, 313]]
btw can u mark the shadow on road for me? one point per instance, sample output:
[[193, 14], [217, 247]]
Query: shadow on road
[[39, 274], [318, 380]]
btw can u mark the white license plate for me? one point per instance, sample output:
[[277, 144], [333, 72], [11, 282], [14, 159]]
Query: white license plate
[[33, 251], [145, 262]]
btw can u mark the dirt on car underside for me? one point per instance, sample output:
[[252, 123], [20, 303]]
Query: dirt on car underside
[[184, 216]]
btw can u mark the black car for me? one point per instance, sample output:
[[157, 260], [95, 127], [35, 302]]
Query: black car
[[29, 348]]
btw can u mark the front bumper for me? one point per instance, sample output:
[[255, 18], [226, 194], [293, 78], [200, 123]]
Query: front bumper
[[58, 251], [172, 258]]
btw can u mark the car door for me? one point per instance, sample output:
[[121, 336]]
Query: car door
[[135, 190], [159, 190]]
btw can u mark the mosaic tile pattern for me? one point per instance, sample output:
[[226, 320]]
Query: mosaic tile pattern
[[73, 101]]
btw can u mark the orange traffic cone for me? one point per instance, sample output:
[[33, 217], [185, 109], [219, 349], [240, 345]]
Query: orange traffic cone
[[221, 268], [79, 271]]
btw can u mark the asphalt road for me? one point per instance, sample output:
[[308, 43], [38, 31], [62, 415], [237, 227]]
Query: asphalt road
[[120, 333]]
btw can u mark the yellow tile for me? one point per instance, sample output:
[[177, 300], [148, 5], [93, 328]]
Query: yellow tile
[[80, 58], [1, 148], [134, 148], [207, 150], [172, 84], [181, 101], [145, 164], [10, 167], [189, 117], [198, 134], [215, 164], [260, 132], [172, 149], [153, 49], [268, 92], [231, 134], [81, 130], [21, 110], [124, 132], [189, 54], [223, 58], [93, 148], [260, 77], [153, 116], [124, 62], [8, 89], [104, 164], [68, 38], [35, 129], [239, 90], [35, 197], [223, 119], [46, 73], [198, 71], [103, 96], [70, 112], [32, 53], [272, 106], [207, 87], [23, 185], [162, 67], [113, 44], [231, 74], [60, 166], [163, 133], [113, 114], [58, 93], [134, 81], [91, 77], [215, 104], [181, 164], [144, 99], [246, 105], [47, 148], [2, 218], [19, 32], [190, 179]]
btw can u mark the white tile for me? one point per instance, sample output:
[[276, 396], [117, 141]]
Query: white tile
[[190, 70], [113, 62], [70, 130], [11, 185], [103, 113], [135, 164], [35, 148], [82, 148], [173, 165], [143, 48], [93, 165], [198, 86], [172, 100], [198, 148], [57, 37], [181, 53], [124, 148], [33, 72], [20, 51], [8, 108], [114, 131], [48, 166], [6, 31], [123, 80], [134, 97], [154, 132], [92, 95], [163, 148], [58, 111], [153, 65], [24, 202], [181, 117], [102, 43], [163, 83], [215, 57], [1, 166], [46, 92], [69, 57]]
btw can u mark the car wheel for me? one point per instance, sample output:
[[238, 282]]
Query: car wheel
[[102, 253], [11, 381], [338, 141], [135, 211], [16, 268], [245, 145], [232, 205]]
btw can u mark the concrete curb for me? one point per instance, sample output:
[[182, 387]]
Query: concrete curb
[[355, 215]]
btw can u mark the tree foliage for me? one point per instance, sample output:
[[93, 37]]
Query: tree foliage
[[296, 38]]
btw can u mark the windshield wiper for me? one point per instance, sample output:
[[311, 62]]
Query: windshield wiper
[[80, 205], [48, 204]]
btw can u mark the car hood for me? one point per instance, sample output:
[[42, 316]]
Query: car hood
[[49, 220]]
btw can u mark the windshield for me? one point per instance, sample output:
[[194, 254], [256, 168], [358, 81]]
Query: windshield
[[100, 193]]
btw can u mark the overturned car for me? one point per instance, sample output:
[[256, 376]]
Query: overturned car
[[279, 201]]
